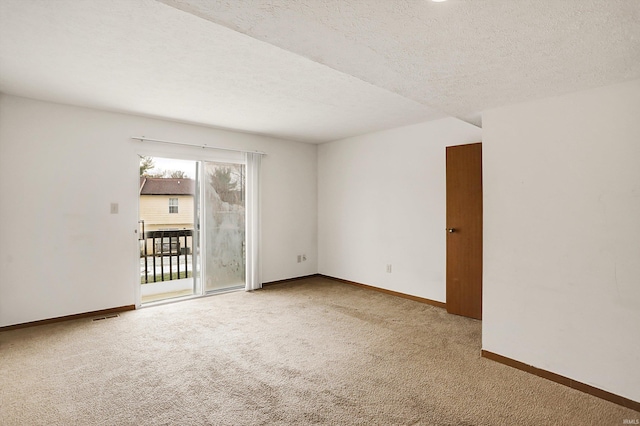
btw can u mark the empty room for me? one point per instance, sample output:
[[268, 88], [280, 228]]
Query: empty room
[[289, 212]]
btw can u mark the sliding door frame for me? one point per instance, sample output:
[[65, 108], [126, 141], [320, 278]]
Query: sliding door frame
[[199, 156]]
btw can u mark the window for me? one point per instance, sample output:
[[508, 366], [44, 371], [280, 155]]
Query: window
[[173, 205]]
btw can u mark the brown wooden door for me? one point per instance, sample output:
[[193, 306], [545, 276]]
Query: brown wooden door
[[464, 230]]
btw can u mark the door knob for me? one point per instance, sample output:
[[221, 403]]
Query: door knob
[[451, 230]]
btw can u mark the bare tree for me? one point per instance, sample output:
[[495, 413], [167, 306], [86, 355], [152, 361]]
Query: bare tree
[[176, 174], [146, 164], [228, 182]]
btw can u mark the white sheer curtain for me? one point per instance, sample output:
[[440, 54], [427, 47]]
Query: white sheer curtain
[[254, 279]]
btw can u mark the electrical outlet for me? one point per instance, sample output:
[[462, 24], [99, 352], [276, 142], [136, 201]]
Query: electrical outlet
[[388, 268], [299, 258], [114, 208]]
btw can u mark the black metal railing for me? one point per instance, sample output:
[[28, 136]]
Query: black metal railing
[[159, 246]]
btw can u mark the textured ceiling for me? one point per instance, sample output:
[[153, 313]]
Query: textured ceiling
[[313, 70], [462, 56], [147, 58]]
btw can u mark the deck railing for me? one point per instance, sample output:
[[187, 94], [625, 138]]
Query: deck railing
[[157, 246]]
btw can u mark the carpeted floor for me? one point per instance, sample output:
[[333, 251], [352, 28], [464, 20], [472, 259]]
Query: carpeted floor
[[313, 351]]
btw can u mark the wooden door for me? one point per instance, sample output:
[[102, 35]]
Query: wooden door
[[464, 230]]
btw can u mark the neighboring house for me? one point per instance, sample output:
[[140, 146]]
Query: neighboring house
[[166, 203]]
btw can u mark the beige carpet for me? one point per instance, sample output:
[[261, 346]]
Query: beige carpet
[[308, 352]]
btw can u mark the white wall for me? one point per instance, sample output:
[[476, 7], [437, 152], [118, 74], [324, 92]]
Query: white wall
[[381, 200], [62, 251], [562, 235]]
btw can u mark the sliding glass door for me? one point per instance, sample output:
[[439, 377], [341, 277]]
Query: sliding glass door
[[224, 225], [193, 228]]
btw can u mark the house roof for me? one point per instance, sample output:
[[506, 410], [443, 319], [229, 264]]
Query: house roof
[[167, 186]]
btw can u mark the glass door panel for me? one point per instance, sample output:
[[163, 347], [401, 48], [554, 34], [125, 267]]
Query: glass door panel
[[224, 224], [168, 241]]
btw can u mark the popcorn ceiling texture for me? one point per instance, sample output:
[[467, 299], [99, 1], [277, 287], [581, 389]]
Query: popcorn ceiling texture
[[143, 57], [461, 56], [313, 70]]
